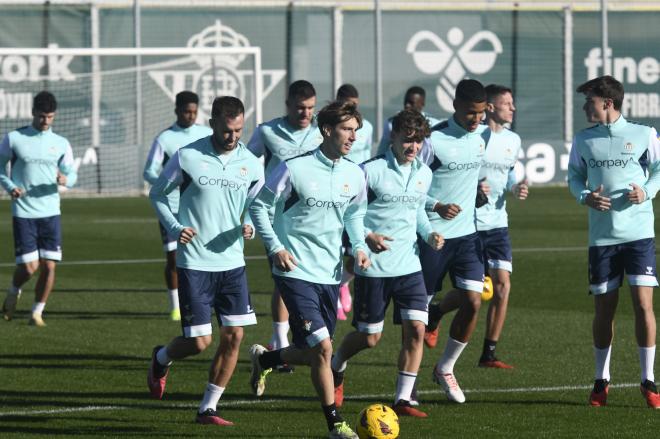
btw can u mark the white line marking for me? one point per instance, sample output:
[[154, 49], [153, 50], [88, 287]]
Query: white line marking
[[275, 400]]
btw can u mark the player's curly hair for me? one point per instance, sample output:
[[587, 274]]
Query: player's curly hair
[[337, 112], [411, 122], [186, 97]]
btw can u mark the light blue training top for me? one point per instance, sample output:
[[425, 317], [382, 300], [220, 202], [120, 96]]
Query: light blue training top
[[497, 168], [314, 199], [454, 155], [36, 157], [396, 198], [215, 191], [165, 145], [615, 156]]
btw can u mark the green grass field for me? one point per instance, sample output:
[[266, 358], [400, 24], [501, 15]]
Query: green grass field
[[84, 375]]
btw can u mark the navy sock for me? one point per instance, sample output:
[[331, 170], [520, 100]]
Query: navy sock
[[270, 359], [331, 415]]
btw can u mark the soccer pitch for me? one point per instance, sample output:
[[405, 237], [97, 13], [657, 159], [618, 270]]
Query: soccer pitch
[[85, 374]]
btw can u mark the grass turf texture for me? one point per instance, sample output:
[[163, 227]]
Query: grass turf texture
[[84, 375]]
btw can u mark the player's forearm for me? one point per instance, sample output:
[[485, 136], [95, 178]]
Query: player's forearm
[[577, 184], [150, 175], [653, 184], [424, 228], [258, 213], [5, 181], [71, 177]]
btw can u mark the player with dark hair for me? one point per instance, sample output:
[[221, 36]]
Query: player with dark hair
[[40, 162], [455, 154], [217, 178], [278, 140], [183, 132], [498, 175], [360, 152], [614, 169], [415, 99], [397, 185], [315, 196]]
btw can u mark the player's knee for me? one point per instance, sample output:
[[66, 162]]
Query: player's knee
[[47, 266], [201, 343], [323, 351], [472, 303], [417, 333], [233, 336], [31, 267], [373, 339], [501, 289]]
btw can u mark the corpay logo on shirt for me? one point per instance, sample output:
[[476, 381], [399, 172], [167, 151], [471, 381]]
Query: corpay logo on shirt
[[610, 163], [221, 182]]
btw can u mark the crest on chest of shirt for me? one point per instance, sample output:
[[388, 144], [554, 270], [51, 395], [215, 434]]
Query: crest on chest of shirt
[[346, 188], [628, 147], [243, 172], [52, 150]]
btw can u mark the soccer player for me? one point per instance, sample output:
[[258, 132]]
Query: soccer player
[[40, 162], [360, 152], [217, 178], [497, 177], [277, 140], [614, 169], [397, 186], [181, 133], [315, 195], [415, 98], [454, 154]]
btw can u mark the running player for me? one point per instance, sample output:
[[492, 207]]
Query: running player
[[502, 148], [315, 195], [217, 178], [40, 162], [614, 168], [181, 133], [277, 140], [397, 186], [454, 154], [360, 152]]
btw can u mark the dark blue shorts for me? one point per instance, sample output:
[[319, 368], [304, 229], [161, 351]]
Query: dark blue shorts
[[312, 309], [169, 242], [497, 248], [461, 257], [37, 238], [373, 295], [608, 263], [226, 292]]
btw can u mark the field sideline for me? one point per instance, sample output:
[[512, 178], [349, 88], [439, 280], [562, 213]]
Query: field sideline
[[84, 375]]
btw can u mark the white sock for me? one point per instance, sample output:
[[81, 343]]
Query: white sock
[[338, 363], [212, 395], [174, 298], [602, 357], [404, 385], [280, 335], [14, 291], [38, 307], [646, 360], [162, 357], [452, 351], [346, 277]]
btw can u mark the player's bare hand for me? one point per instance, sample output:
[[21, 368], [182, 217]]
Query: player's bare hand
[[484, 186], [186, 235], [284, 261], [16, 193], [597, 201], [362, 260], [636, 195], [61, 179], [377, 242], [248, 231], [447, 211], [521, 190], [436, 241]]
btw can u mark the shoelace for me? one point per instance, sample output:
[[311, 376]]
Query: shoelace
[[342, 427], [449, 378]]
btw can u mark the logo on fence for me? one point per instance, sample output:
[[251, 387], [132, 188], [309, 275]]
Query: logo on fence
[[454, 61], [215, 75]]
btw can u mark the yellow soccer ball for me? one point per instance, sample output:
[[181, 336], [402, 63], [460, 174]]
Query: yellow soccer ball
[[488, 289], [378, 421]]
